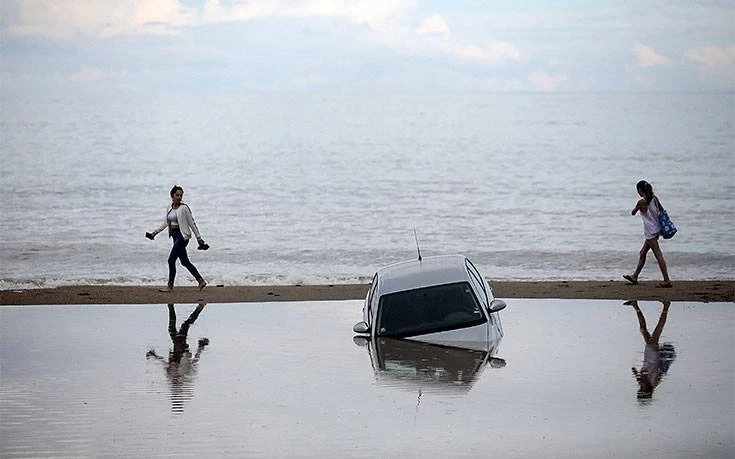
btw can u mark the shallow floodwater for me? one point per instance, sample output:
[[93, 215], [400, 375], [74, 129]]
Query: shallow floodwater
[[289, 380]]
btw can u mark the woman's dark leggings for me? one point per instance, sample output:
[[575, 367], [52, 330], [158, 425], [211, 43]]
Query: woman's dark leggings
[[179, 251]]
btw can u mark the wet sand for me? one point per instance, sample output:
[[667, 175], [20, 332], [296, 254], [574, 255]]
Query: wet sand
[[701, 291]]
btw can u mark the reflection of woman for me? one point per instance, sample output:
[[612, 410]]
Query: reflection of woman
[[181, 365], [656, 358], [181, 225], [649, 206]]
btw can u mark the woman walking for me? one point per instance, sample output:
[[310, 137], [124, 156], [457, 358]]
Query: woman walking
[[649, 206], [180, 225]]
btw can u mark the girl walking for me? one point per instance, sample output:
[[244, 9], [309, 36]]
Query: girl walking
[[649, 206]]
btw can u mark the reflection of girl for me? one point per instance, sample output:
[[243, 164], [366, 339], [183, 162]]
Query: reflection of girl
[[181, 365], [656, 359], [649, 207]]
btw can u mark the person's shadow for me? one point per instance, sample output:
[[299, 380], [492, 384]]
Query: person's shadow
[[657, 358], [181, 364]]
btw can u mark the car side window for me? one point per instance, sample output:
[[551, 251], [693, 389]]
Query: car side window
[[479, 283]]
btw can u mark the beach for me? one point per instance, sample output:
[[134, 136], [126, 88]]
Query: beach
[[699, 291]]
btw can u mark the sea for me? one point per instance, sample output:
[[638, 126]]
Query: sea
[[312, 188]]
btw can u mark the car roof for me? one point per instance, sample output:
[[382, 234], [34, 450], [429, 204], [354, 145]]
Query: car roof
[[413, 274]]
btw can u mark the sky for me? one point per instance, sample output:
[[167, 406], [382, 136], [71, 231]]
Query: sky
[[56, 46]]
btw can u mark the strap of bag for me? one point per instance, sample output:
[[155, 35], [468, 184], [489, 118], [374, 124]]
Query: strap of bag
[[658, 203]]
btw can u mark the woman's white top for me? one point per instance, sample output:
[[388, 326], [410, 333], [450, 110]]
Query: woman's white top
[[651, 225], [172, 218]]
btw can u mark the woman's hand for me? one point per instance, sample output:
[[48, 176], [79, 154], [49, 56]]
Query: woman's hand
[[150, 236]]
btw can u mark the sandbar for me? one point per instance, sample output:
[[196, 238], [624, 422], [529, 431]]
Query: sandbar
[[698, 291]]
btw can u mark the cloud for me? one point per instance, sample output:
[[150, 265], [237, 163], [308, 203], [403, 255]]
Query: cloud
[[647, 57], [712, 57], [434, 26], [715, 63], [65, 19], [544, 81], [99, 18], [491, 53], [309, 80], [492, 84], [252, 43], [87, 75]]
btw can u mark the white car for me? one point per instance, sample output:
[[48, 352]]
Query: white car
[[441, 300]]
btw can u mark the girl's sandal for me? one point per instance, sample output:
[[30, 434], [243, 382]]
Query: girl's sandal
[[632, 280], [664, 285]]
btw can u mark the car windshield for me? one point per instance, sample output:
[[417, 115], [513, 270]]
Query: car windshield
[[428, 310]]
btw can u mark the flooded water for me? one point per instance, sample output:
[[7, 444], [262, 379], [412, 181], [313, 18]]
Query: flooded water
[[290, 380]]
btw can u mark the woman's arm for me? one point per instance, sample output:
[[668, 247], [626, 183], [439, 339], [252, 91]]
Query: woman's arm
[[641, 205], [186, 212], [162, 226]]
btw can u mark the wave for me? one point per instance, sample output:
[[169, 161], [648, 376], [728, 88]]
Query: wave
[[512, 265]]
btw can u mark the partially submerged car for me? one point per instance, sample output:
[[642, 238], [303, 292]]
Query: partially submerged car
[[440, 300]]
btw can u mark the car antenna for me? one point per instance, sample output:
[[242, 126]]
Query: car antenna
[[418, 249]]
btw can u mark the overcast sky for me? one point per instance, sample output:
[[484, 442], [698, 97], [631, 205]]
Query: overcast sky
[[366, 45]]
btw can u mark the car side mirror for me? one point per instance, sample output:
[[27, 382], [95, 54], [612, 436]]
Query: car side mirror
[[497, 306], [497, 362], [361, 327]]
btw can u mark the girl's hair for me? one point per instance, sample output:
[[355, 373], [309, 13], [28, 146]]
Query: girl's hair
[[175, 189], [647, 190]]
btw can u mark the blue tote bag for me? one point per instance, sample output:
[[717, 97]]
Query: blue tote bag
[[668, 229]]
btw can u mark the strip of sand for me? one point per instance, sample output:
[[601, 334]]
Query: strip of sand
[[699, 291]]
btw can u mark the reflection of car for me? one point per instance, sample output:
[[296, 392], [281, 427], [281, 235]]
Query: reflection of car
[[409, 364], [441, 300]]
